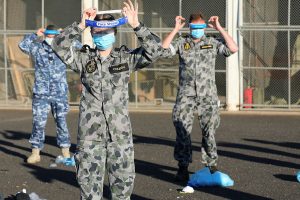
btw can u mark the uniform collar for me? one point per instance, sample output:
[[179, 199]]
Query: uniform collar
[[47, 46], [202, 38], [112, 55]]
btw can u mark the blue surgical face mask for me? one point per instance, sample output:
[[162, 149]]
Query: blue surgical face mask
[[104, 41], [49, 40], [197, 33]]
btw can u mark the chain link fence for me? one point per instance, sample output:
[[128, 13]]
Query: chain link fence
[[20, 17], [270, 54], [157, 85]]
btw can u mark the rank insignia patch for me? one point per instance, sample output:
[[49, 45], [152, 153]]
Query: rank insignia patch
[[91, 66], [187, 46]]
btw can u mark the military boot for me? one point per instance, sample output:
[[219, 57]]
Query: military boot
[[182, 174], [212, 169], [65, 152], [34, 157]]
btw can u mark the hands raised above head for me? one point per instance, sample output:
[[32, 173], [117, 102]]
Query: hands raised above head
[[40, 32], [131, 12], [214, 23], [88, 14], [179, 22]]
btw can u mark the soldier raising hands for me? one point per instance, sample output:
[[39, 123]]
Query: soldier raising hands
[[104, 130], [197, 89]]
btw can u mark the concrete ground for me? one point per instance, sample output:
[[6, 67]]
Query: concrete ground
[[261, 152]]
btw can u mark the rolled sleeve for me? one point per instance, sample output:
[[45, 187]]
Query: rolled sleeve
[[172, 50], [222, 48]]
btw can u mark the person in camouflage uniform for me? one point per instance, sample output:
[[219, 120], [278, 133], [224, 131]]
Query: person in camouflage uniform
[[50, 91], [197, 88], [104, 131]]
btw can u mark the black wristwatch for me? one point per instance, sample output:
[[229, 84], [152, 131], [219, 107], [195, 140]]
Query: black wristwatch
[[138, 27]]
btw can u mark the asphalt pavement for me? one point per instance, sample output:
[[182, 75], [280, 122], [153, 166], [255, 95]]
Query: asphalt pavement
[[260, 151]]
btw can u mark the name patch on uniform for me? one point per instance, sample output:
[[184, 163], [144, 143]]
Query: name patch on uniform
[[207, 46], [187, 46], [91, 66], [119, 68]]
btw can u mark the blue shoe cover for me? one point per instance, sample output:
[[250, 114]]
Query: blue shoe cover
[[203, 177], [298, 176]]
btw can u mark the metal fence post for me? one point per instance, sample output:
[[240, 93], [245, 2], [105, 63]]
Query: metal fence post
[[232, 71], [289, 57], [5, 51]]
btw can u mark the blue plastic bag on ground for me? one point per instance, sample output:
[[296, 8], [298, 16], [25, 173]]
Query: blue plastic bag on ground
[[203, 177], [298, 176]]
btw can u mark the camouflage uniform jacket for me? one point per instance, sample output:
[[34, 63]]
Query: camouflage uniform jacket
[[104, 97], [197, 64], [50, 73]]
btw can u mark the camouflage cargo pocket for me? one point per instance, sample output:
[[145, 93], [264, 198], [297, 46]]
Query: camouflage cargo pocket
[[120, 88], [120, 79]]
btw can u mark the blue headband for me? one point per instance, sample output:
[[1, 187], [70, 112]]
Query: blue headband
[[51, 32], [197, 26], [106, 23]]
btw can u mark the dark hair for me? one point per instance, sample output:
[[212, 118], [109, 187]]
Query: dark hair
[[51, 27], [196, 16], [107, 17]]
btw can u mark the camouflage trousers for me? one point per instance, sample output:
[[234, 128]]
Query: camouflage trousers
[[40, 110], [209, 119], [95, 157]]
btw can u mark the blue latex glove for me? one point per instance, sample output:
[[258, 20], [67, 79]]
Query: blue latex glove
[[65, 161], [69, 161], [203, 177], [298, 176]]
